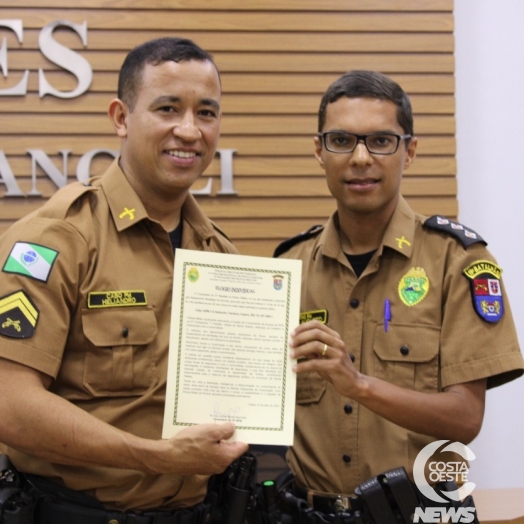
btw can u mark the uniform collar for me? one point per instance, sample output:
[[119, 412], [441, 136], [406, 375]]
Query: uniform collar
[[329, 241], [127, 208], [398, 236], [193, 215], [125, 205], [400, 232]]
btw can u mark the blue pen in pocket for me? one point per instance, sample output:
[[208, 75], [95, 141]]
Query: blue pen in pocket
[[387, 314]]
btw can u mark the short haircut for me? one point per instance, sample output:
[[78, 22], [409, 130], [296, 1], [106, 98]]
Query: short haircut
[[155, 52], [368, 84]]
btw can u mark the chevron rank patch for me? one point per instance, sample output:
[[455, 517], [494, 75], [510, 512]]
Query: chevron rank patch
[[486, 291], [31, 260], [18, 315]]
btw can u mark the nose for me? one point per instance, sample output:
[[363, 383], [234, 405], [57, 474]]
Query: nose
[[361, 156], [187, 128]]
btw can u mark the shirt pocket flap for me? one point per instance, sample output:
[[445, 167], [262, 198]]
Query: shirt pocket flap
[[119, 326], [406, 343]]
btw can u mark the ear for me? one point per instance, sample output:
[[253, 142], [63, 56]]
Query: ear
[[118, 112], [318, 151], [411, 152]]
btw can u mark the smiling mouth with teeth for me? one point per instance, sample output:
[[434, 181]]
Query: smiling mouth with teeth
[[182, 154]]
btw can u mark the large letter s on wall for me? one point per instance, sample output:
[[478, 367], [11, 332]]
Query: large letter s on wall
[[65, 58]]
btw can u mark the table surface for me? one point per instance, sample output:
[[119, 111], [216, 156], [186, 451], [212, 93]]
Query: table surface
[[500, 506]]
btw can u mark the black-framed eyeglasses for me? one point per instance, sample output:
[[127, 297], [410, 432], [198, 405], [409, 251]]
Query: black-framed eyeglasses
[[376, 143]]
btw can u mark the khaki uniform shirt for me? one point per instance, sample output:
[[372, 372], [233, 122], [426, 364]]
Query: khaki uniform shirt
[[101, 320], [437, 342]]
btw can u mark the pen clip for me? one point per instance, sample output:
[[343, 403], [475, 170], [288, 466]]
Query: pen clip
[[387, 314]]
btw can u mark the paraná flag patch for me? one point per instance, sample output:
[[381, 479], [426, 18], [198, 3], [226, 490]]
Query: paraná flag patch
[[32, 260]]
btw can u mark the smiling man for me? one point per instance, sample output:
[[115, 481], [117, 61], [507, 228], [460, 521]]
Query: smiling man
[[406, 322], [85, 310]]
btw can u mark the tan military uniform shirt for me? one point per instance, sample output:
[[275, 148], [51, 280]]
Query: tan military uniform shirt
[[430, 344], [99, 322]]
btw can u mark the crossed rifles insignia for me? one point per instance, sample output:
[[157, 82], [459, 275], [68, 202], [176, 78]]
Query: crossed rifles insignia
[[127, 212]]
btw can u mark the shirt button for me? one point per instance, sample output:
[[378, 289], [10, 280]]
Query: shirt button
[[125, 332], [354, 302], [404, 350], [346, 459], [348, 409], [352, 357]]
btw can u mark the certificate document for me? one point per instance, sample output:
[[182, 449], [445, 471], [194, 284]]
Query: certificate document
[[228, 355]]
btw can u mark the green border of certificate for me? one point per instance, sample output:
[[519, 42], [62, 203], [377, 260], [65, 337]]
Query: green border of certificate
[[228, 355]]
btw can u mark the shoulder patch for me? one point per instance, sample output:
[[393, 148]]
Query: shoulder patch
[[18, 315], [290, 242], [31, 260], [486, 290], [464, 234]]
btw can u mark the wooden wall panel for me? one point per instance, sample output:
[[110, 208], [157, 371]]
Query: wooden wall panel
[[276, 58]]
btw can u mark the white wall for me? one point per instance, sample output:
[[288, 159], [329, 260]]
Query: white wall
[[489, 44]]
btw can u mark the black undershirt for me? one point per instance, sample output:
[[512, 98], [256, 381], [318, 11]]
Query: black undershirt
[[176, 236], [359, 262]]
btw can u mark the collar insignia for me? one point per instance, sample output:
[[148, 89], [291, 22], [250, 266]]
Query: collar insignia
[[127, 212], [402, 240]]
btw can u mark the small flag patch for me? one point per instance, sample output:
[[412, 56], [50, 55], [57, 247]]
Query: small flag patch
[[31, 260]]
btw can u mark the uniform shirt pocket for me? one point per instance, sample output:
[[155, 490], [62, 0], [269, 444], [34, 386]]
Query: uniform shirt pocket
[[408, 355], [119, 359], [310, 387]]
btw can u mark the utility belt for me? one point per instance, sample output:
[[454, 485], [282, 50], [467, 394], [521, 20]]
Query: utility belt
[[233, 498], [389, 498], [51, 512], [59, 505], [30, 499]]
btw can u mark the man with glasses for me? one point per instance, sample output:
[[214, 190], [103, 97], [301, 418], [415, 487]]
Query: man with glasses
[[405, 322]]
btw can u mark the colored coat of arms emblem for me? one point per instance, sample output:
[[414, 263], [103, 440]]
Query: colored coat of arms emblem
[[277, 282], [413, 286], [486, 290]]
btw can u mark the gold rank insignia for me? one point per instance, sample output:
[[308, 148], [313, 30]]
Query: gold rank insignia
[[402, 240], [18, 315], [319, 314], [127, 213], [413, 286], [102, 299]]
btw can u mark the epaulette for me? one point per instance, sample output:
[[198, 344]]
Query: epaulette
[[290, 242], [466, 235], [60, 203]]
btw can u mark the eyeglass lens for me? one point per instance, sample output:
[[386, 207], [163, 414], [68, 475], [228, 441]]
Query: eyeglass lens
[[346, 142]]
